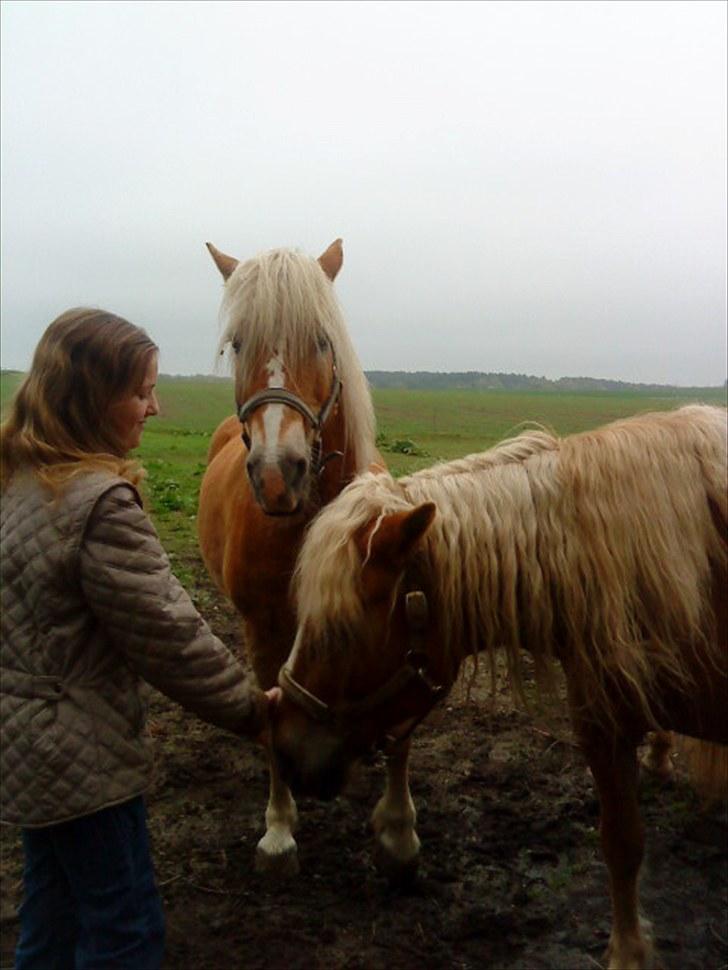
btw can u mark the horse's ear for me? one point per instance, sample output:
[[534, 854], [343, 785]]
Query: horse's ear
[[330, 261], [226, 264], [397, 535]]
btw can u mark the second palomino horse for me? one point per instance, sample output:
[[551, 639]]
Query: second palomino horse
[[605, 551], [306, 416]]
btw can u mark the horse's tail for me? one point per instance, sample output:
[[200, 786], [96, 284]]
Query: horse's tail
[[707, 766]]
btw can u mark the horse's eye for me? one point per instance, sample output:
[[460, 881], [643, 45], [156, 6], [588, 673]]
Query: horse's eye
[[323, 344], [236, 345]]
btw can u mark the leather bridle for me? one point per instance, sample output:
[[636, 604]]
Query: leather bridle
[[344, 718], [281, 395]]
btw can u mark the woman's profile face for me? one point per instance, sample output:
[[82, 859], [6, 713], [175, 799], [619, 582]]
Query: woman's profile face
[[129, 414]]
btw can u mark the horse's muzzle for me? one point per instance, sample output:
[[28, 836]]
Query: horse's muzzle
[[323, 785], [279, 487]]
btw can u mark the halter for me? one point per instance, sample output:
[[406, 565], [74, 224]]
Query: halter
[[281, 395], [343, 718]]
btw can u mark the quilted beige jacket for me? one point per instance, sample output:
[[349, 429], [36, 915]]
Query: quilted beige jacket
[[90, 606]]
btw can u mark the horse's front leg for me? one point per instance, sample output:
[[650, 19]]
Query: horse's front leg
[[394, 819], [615, 770], [277, 852]]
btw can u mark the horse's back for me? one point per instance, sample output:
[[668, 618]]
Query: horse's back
[[226, 430]]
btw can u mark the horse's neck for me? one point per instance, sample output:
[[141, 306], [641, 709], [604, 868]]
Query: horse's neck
[[339, 469]]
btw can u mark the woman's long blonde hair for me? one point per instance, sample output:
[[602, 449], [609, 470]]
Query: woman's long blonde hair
[[58, 424]]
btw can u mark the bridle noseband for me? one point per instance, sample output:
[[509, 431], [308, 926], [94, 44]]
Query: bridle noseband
[[343, 718], [281, 395]]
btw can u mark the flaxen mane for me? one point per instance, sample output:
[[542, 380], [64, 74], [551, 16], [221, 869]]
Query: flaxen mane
[[599, 544], [281, 300], [327, 574]]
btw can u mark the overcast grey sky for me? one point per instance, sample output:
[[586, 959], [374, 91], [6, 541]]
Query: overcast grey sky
[[530, 187]]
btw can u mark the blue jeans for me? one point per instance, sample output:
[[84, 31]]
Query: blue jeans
[[90, 896]]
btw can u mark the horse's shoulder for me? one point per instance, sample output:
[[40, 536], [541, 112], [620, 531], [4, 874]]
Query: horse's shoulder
[[228, 429]]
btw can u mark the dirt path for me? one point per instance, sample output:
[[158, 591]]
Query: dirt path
[[511, 873]]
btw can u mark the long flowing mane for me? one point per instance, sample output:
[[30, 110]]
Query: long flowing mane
[[327, 572], [599, 546], [282, 300]]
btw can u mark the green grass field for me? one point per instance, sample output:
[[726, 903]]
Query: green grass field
[[416, 429]]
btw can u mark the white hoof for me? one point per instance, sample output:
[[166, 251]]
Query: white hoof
[[398, 862], [277, 856]]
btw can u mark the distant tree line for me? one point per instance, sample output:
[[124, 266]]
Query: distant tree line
[[477, 380]]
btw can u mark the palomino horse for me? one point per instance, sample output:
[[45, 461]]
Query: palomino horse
[[605, 551], [307, 424]]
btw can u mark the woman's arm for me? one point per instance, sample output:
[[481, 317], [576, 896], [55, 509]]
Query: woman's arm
[[131, 590]]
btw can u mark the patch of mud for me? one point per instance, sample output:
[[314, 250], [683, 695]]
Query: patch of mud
[[511, 873]]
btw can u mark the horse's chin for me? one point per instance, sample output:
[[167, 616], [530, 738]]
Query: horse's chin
[[299, 510], [288, 514], [296, 505]]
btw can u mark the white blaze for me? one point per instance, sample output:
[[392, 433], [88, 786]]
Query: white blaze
[[273, 414]]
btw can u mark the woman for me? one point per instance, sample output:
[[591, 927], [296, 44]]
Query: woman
[[89, 606]]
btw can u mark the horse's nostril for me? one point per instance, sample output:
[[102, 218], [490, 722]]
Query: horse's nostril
[[299, 470], [294, 471], [252, 466]]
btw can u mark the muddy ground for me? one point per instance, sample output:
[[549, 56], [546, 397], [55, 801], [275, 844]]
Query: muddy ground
[[511, 874]]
